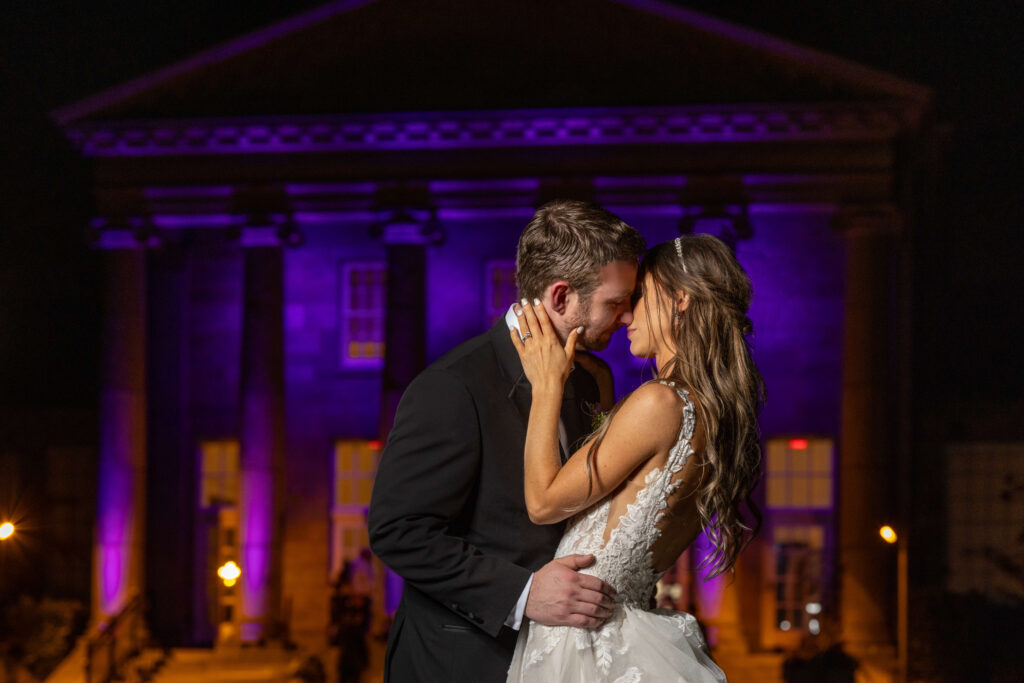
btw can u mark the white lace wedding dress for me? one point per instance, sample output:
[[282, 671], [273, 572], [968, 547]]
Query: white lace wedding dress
[[636, 643]]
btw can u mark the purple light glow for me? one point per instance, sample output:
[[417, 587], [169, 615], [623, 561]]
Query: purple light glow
[[709, 592], [187, 192], [471, 185], [213, 220], [306, 189], [313, 216], [113, 559], [116, 504], [256, 527], [519, 213]]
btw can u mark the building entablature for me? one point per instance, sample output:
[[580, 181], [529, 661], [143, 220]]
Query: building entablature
[[433, 131]]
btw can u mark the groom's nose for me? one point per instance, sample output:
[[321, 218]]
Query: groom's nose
[[627, 316]]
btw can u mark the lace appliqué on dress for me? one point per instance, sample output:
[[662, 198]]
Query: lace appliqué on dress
[[634, 644]]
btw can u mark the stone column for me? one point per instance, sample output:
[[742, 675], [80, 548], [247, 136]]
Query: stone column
[[405, 327], [172, 468], [868, 448], [261, 440], [121, 500], [405, 333]]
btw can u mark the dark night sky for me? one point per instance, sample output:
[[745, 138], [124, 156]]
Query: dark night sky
[[966, 289]]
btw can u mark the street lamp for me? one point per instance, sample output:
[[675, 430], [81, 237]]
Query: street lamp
[[890, 536], [229, 573], [6, 531]]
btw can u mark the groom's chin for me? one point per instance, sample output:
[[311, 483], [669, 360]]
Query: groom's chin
[[598, 344]]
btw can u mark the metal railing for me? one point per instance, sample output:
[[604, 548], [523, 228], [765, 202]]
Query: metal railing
[[115, 643]]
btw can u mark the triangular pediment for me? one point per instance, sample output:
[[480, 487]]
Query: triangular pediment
[[359, 56]]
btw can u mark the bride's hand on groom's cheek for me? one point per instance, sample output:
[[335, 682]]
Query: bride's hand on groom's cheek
[[546, 361]]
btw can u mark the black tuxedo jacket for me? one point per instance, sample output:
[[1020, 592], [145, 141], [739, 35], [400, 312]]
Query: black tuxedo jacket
[[448, 515]]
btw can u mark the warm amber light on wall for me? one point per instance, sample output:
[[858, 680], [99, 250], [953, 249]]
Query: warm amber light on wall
[[888, 534], [229, 573], [6, 530]]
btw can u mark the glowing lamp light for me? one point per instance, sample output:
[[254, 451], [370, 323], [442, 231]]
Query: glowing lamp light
[[6, 531], [888, 534], [798, 444], [375, 445], [784, 625], [229, 573]]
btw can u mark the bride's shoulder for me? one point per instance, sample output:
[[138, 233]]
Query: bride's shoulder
[[657, 403], [648, 420]]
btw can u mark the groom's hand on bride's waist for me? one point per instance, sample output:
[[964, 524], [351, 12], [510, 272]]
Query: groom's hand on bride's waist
[[561, 596]]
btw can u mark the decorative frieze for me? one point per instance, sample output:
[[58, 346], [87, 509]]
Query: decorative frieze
[[468, 130]]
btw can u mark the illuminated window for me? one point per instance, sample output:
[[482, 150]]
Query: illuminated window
[[799, 473], [355, 465], [363, 304], [219, 476], [499, 289], [797, 577]]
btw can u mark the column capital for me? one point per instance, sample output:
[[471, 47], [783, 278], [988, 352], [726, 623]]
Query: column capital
[[873, 219], [123, 232], [403, 227], [271, 230], [728, 222]]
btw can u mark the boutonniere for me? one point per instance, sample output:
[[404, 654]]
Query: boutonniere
[[597, 416]]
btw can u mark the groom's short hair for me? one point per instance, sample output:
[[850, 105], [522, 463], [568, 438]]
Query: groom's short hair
[[572, 240]]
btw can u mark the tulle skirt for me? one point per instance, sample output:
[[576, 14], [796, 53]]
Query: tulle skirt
[[634, 645]]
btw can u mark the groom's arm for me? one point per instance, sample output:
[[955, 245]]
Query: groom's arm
[[427, 473]]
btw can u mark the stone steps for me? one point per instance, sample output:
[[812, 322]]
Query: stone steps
[[234, 665]]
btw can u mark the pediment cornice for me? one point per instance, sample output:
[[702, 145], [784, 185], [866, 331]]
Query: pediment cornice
[[356, 56]]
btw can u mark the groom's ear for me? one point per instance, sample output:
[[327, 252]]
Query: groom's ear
[[558, 296]]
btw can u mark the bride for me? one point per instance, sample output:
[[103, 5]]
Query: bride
[[678, 456]]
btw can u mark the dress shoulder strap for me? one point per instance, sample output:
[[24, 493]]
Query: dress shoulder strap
[[682, 450]]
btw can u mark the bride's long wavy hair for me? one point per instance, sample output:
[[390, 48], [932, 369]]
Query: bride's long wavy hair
[[712, 359]]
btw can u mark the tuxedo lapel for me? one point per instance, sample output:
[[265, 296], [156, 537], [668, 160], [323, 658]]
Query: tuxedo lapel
[[517, 387], [574, 407], [580, 389]]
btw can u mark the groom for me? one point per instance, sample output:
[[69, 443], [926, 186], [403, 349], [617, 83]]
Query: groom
[[447, 512]]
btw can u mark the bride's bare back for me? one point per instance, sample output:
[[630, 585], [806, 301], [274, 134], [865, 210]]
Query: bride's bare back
[[681, 523]]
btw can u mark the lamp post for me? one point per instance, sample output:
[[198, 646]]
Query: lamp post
[[890, 536], [229, 573]]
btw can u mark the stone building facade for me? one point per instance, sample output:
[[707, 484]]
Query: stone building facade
[[297, 222]]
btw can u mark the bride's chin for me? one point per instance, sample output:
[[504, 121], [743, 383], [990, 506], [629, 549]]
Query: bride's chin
[[640, 353]]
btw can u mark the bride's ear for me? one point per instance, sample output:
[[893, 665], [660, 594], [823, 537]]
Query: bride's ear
[[682, 302]]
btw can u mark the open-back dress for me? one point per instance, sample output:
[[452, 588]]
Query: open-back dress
[[636, 643]]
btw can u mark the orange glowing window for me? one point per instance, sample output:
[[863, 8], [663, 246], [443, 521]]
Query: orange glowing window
[[800, 473], [219, 472], [355, 465], [363, 306], [500, 289]]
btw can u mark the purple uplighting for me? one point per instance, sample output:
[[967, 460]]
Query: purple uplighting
[[113, 560]]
